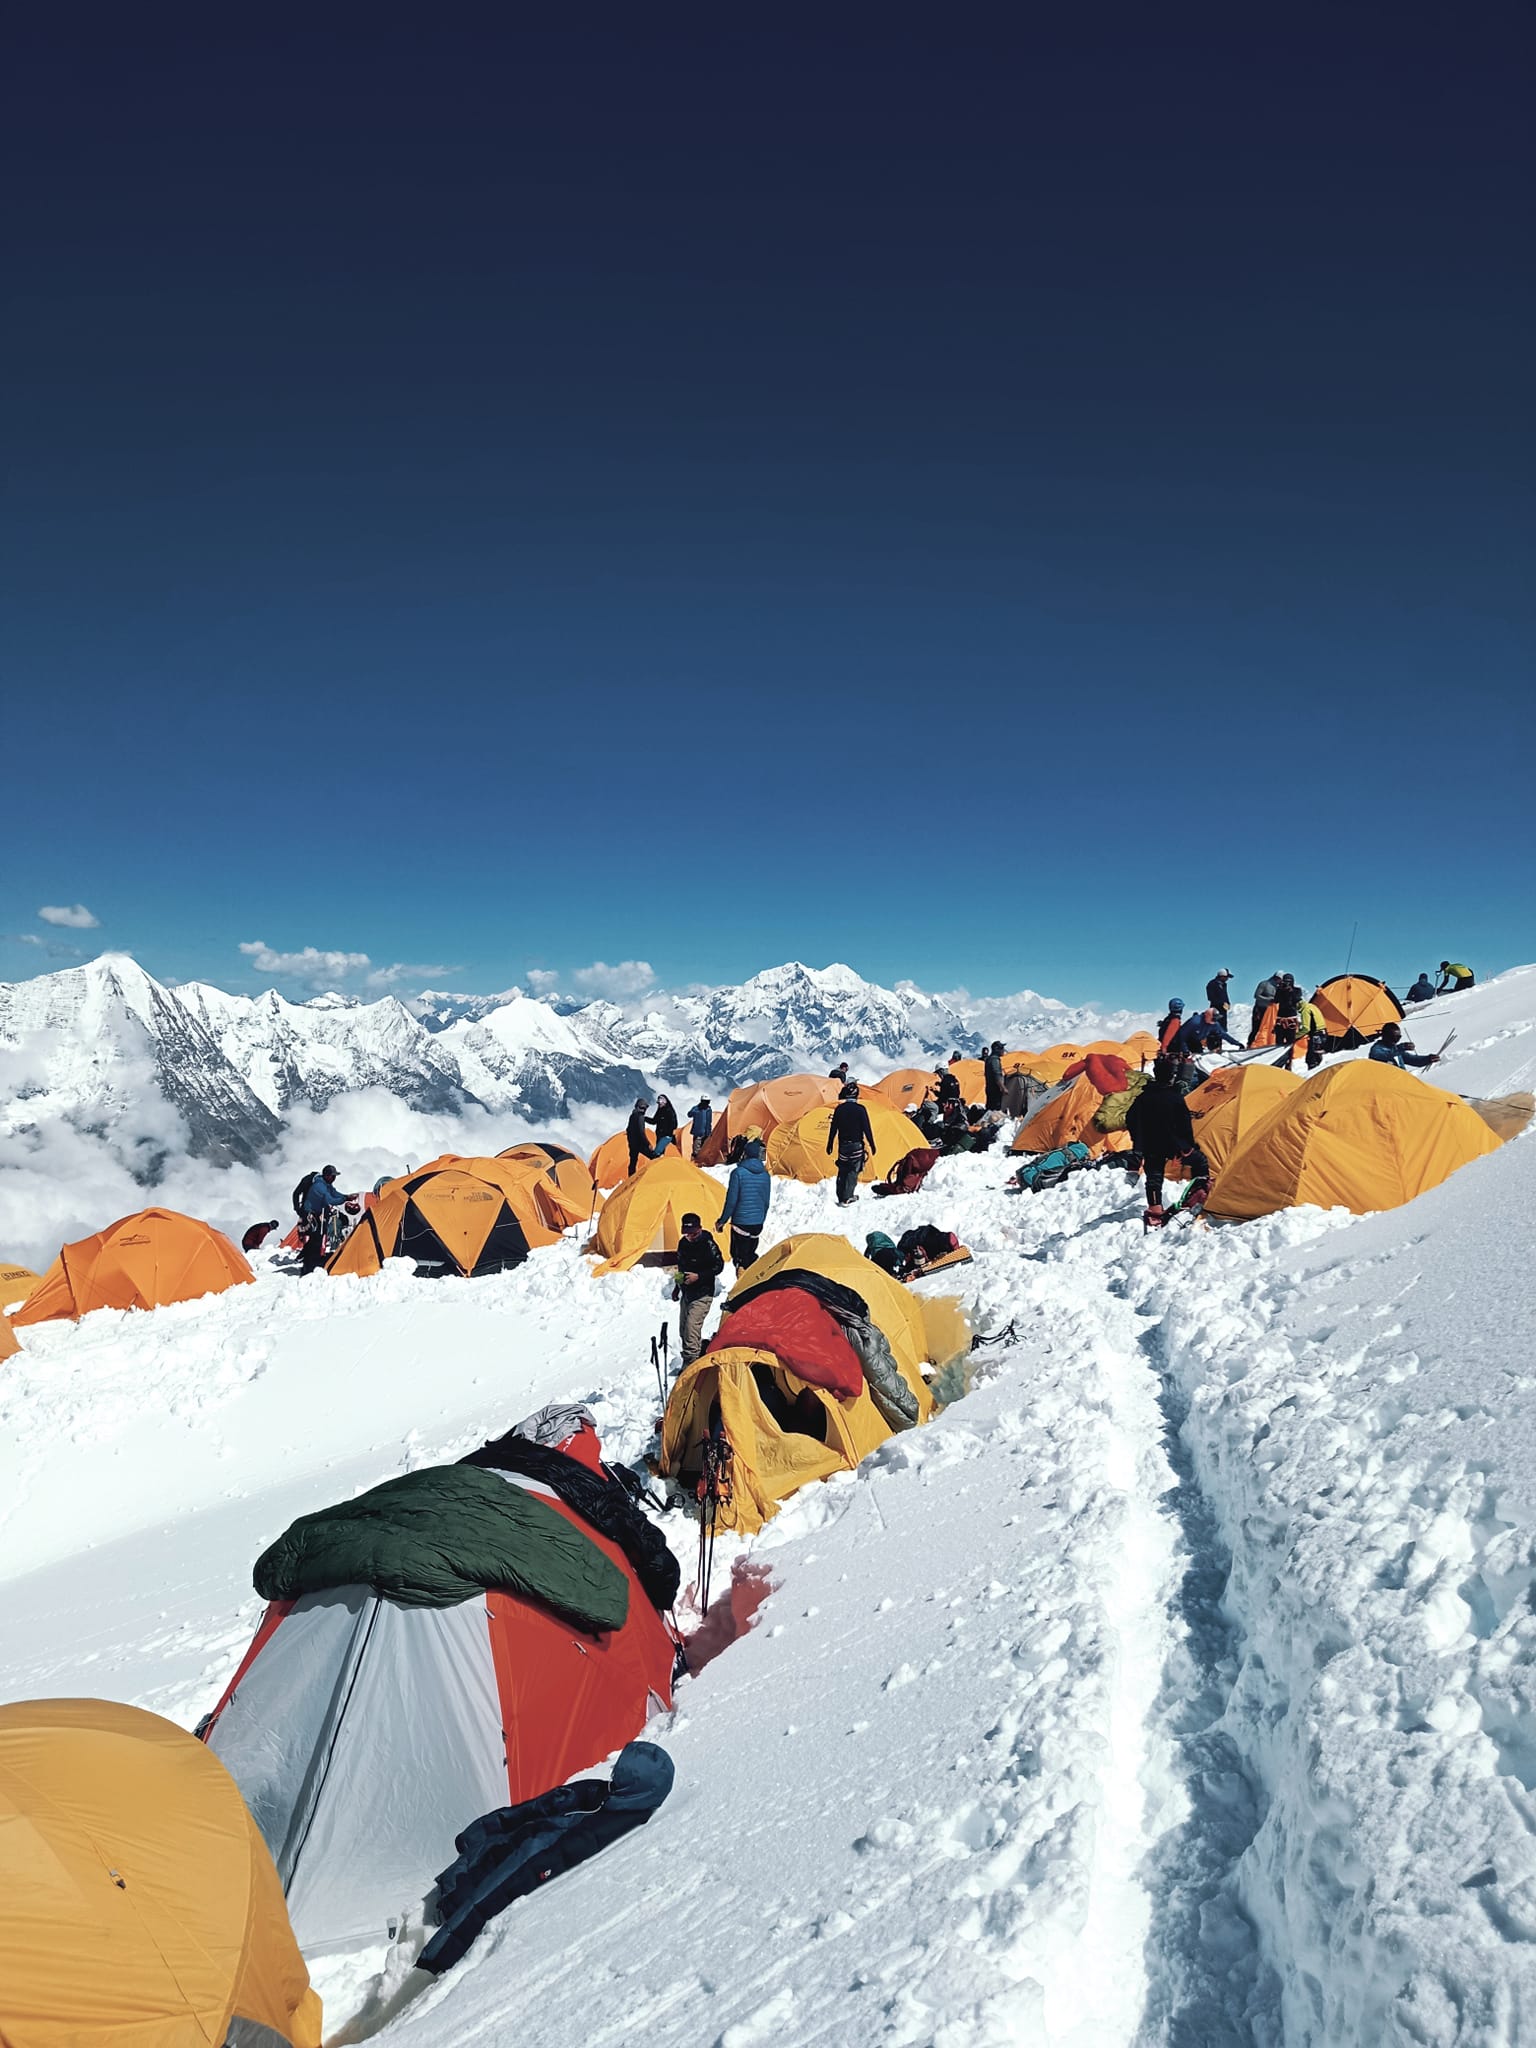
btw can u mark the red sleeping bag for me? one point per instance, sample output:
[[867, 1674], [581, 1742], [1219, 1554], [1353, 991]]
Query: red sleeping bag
[[800, 1333]]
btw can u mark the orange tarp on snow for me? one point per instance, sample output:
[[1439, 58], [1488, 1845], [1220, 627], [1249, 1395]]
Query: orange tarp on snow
[[142, 1261]]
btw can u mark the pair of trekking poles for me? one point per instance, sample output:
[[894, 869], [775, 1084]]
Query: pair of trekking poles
[[713, 1491]]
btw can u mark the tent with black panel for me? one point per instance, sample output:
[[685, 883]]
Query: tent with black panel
[[446, 1219]]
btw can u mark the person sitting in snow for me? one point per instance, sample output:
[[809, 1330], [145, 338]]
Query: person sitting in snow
[[748, 1193], [1393, 1050], [1161, 1129], [1422, 989]]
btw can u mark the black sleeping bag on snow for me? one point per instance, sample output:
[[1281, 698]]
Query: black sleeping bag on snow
[[505, 1854]]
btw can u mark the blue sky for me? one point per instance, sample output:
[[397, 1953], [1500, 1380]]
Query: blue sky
[[1038, 507]]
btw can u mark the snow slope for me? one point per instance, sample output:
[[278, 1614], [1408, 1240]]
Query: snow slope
[[1177, 1685]]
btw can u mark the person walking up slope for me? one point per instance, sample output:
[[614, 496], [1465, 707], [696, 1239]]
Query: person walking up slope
[[748, 1193], [699, 1265], [853, 1135]]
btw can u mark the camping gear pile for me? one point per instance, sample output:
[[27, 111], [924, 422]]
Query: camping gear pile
[[818, 1359], [452, 1643]]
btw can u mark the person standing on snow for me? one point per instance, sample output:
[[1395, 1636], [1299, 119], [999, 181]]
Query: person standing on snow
[[1263, 999], [1161, 1129], [640, 1146], [1216, 994], [1454, 975], [1169, 1027], [992, 1074], [852, 1133], [699, 1265], [1393, 1050], [1423, 989], [701, 1121], [1313, 1026], [948, 1089], [320, 1198], [1287, 1009], [748, 1193]]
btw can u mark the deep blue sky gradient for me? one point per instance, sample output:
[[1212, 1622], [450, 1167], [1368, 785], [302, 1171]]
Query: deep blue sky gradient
[[1043, 504]]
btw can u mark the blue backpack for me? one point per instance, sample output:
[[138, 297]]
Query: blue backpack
[[1051, 1168]]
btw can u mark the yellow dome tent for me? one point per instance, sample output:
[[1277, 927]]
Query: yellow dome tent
[[142, 1261], [644, 1214], [763, 1106], [141, 1905], [16, 1283], [798, 1151], [1226, 1108], [1047, 1065], [1360, 1136], [783, 1430]]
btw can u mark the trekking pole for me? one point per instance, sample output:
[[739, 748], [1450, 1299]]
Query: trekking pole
[[666, 1334], [661, 1388]]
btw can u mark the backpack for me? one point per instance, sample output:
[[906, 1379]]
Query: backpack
[[1051, 1168], [1114, 1109], [908, 1175], [301, 1191]]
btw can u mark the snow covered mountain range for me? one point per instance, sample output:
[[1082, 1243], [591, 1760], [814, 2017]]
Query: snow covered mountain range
[[118, 1055]]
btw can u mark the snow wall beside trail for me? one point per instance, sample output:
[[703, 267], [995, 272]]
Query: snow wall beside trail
[[1362, 1419]]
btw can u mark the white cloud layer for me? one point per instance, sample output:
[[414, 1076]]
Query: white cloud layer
[[74, 916], [626, 978], [311, 964], [542, 980], [401, 971]]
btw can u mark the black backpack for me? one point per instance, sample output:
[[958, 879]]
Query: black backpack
[[301, 1191]]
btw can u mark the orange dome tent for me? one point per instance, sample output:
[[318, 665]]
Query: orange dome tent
[[1047, 1065], [1359, 1136], [1065, 1118], [907, 1087], [609, 1164], [972, 1076], [1354, 1007], [16, 1283], [142, 1261], [763, 1106], [452, 1216], [798, 1151], [141, 1903], [644, 1214]]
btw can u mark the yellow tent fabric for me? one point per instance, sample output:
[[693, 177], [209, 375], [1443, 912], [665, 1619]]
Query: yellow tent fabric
[[533, 1191], [645, 1213], [1356, 1003], [1360, 1136], [16, 1283], [1047, 1065], [895, 1309], [763, 1106], [784, 1432], [1225, 1108], [10, 1343], [609, 1164], [142, 1261], [972, 1076], [141, 1906], [798, 1151], [1505, 1115], [1067, 1117], [769, 1461], [908, 1086]]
